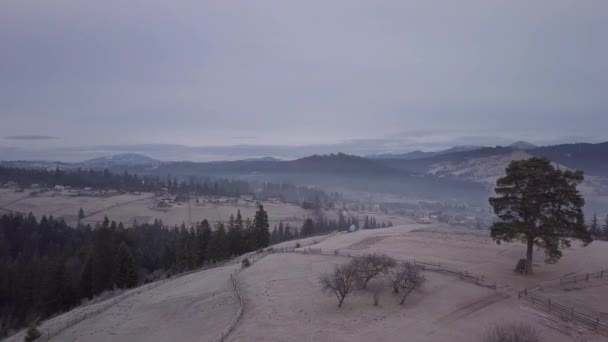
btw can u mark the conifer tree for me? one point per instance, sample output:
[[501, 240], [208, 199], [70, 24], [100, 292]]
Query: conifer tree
[[261, 234], [235, 235], [307, 228], [218, 246], [103, 259], [185, 250], [541, 206], [86, 278], [80, 216], [203, 236], [125, 274], [281, 232], [594, 228], [274, 236], [288, 234]]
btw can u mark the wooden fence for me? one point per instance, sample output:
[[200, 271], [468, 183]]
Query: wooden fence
[[253, 257], [476, 279], [590, 320], [239, 311]]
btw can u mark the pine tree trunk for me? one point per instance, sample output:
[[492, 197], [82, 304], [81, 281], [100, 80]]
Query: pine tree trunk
[[529, 254]]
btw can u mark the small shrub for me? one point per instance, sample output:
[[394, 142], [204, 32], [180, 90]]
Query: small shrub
[[521, 266], [32, 334], [298, 245], [245, 263], [512, 332]]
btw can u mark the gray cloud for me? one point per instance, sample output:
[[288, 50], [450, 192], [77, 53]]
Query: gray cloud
[[339, 73], [29, 137]]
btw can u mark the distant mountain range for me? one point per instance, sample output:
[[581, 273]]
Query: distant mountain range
[[456, 173], [422, 154], [126, 159]]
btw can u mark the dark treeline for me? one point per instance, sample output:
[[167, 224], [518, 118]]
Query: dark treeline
[[320, 226], [308, 197], [48, 267]]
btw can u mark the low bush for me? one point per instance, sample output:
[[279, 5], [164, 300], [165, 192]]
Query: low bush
[[32, 334]]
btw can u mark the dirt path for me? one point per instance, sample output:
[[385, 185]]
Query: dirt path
[[470, 308], [93, 213]]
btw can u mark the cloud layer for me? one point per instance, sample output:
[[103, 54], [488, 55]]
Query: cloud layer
[[29, 137], [212, 73]]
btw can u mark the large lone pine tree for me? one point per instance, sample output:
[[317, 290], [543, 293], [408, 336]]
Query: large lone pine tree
[[541, 206]]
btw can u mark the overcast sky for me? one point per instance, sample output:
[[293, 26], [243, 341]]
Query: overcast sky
[[399, 74]]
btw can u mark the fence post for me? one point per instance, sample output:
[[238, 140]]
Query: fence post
[[587, 277]]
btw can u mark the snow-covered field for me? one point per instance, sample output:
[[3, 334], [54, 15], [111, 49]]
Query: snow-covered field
[[283, 299], [141, 207], [195, 307], [284, 303]]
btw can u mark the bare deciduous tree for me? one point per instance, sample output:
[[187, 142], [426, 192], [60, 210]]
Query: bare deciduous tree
[[372, 265], [340, 282], [512, 332], [406, 277]]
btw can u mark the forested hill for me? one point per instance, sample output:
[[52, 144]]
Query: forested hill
[[445, 176], [337, 172], [591, 158]]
